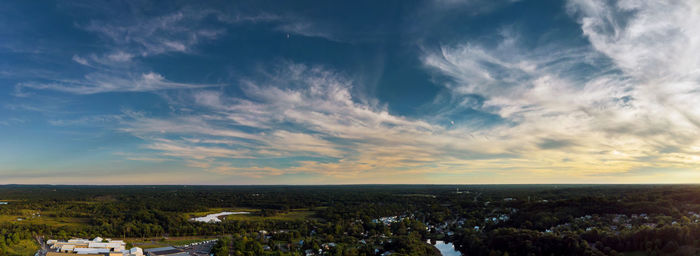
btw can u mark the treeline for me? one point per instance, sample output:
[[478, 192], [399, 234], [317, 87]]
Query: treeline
[[12, 235], [346, 215], [660, 241]]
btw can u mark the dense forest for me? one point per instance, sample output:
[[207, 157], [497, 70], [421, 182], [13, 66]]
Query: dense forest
[[368, 220]]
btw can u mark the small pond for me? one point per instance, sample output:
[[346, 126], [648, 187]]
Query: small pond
[[446, 249]]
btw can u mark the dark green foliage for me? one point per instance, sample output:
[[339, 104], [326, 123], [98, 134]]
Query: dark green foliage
[[344, 216]]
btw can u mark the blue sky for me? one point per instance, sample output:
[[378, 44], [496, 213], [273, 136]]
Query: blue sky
[[332, 92]]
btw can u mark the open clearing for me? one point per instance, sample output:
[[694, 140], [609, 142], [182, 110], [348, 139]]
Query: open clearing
[[292, 215], [147, 243]]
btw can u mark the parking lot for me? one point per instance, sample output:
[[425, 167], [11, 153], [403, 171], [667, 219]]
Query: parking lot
[[200, 248]]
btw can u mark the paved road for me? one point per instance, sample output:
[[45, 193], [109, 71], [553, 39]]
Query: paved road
[[43, 247]]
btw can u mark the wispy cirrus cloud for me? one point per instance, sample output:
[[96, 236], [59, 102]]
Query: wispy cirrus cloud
[[80, 60], [629, 32], [115, 69], [301, 27], [617, 102], [172, 32], [181, 30], [632, 113], [301, 111], [101, 83]]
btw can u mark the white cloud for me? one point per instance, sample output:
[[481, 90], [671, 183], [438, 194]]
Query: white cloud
[[303, 111], [80, 60], [306, 28], [184, 29], [102, 83], [96, 120], [173, 32], [621, 118], [120, 56], [175, 149], [145, 36], [647, 39], [638, 112], [309, 111], [142, 126]]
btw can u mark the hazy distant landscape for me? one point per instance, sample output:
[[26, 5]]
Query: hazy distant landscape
[[362, 219]]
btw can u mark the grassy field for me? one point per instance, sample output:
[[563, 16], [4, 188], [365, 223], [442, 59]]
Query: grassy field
[[51, 221], [59, 221], [218, 210], [295, 214], [148, 243], [8, 218]]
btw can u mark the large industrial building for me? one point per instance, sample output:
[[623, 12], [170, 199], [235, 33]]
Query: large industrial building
[[166, 251], [95, 247]]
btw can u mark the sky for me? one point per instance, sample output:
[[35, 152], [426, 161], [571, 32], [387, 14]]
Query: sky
[[349, 92]]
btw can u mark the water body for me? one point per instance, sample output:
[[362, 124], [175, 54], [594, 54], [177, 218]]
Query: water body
[[446, 249], [214, 217]]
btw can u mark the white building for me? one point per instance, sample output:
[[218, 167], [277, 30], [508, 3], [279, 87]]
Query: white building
[[96, 246]]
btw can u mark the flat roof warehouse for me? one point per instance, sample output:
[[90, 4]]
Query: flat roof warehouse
[[96, 247]]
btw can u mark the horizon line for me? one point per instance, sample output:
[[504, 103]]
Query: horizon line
[[347, 184]]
